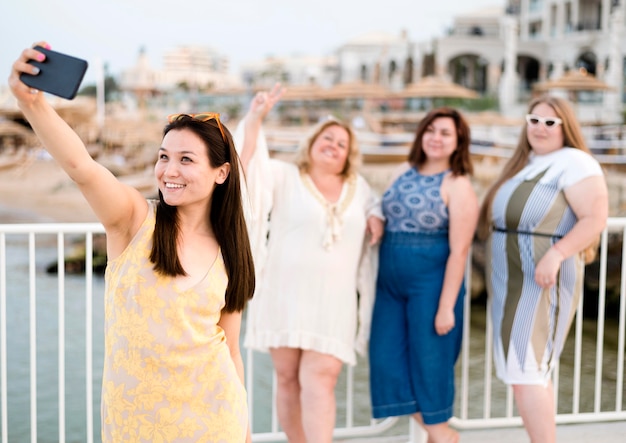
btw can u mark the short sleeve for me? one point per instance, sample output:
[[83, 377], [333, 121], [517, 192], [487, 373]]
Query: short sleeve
[[580, 165]]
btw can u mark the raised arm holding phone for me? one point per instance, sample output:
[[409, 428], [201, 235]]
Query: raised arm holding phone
[[172, 366]]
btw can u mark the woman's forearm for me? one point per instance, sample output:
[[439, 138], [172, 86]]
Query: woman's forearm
[[59, 139], [252, 127], [583, 234], [453, 279]]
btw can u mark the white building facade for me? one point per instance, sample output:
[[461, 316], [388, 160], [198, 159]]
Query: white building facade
[[197, 67], [380, 58], [371, 58], [290, 70], [189, 67], [550, 38], [500, 51]]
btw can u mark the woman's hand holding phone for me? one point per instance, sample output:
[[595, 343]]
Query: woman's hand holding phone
[[59, 74]]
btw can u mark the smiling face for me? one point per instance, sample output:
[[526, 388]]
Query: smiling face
[[330, 149], [440, 139], [183, 172], [544, 139]]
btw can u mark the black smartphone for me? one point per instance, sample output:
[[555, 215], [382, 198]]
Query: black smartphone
[[59, 74]]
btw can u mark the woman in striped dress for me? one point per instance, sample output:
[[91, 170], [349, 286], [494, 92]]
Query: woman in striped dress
[[542, 218]]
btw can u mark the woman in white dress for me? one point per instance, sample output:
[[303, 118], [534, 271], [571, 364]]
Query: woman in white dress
[[313, 255]]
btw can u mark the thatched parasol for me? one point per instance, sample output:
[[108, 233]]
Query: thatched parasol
[[575, 81], [492, 118], [226, 92], [357, 90], [436, 87], [303, 92], [15, 135]]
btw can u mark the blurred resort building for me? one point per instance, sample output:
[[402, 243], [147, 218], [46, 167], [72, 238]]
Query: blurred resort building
[[502, 52]]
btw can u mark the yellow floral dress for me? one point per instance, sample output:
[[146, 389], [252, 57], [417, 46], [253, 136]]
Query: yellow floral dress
[[168, 375]]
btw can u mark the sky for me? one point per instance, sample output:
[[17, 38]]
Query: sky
[[114, 31]]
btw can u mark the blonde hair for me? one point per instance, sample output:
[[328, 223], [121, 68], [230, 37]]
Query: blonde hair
[[303, 156], [572, 137]]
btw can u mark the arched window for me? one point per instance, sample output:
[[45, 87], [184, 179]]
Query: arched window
[[408, 71], [588, 61], [392, 69]]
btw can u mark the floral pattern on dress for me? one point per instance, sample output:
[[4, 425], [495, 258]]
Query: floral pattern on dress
[[168, 374]]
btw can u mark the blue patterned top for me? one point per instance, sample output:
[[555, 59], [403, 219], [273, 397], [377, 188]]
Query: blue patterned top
[[413, 204]]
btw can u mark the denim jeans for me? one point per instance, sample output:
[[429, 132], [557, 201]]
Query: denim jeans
[[411, 367]]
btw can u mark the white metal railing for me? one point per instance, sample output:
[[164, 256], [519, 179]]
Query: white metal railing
[[592, 392], [607, 381], [61, 231]]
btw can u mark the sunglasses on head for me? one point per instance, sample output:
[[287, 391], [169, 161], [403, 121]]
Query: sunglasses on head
[[203, 117], [548, 122]]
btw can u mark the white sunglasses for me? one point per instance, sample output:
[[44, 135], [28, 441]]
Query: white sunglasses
[[548, 122]]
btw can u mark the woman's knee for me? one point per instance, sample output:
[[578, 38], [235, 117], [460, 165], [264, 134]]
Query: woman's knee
[[319, 371], [286, 364]]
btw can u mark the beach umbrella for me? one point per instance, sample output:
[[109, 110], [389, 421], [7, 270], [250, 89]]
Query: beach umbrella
[[303, 93], [492, 118], [232, 91], [436, 87], [357, 90], [303, 102], [574, 81], [355, 96]]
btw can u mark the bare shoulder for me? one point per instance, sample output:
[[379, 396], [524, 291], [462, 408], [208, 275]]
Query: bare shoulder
[[459, 188], [120, 233], [458, 182]]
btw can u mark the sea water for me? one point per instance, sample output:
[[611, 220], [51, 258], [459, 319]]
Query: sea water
[[46, 308]]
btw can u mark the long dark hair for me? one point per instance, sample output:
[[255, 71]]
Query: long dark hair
[[460, 161], [225, 216]]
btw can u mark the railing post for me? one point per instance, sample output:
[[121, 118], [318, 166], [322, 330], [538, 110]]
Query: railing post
[[4, 415], [417, 434]]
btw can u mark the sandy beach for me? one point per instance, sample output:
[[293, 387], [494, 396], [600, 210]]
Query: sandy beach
[[40, 191]]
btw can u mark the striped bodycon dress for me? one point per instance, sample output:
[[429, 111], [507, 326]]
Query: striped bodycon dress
[[529, 214]]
